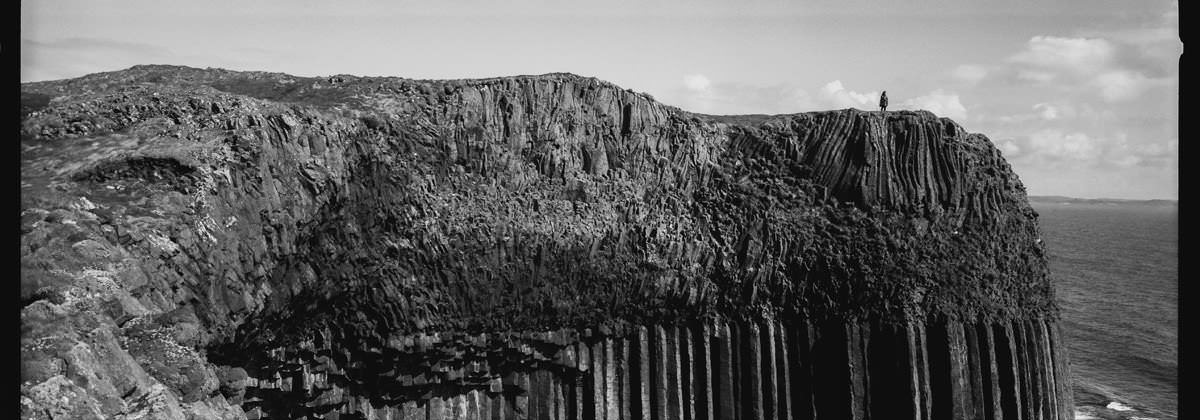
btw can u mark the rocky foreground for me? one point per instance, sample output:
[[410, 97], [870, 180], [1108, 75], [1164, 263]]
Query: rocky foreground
[[218, 244]]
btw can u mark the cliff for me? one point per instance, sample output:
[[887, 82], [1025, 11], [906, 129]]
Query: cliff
[[210, 243]]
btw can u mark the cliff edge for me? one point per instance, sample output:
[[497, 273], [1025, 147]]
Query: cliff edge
[[204, 243]]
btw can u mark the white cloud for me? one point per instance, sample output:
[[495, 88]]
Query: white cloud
[[1036, 76], [1006, 119], [1071, 55], [1046, 111], [835, 95], [1041, 115], [1125, 161], [1171, 17], [942, 103], [1123, 153], [1057, 144], [1114, 72], [969, 73], [1066, 150], [1086, 111], [1147, 37], [697, 82], [1172, 147], [1122, 85], [1152, 48], [1164, 153], [697, 93], [1115, 149], [1009, 148]]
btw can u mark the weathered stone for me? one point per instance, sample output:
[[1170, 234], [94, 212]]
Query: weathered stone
[[292, 227], [58, 397], [217, 408], [232, 382], [154, 403], [181, 369]]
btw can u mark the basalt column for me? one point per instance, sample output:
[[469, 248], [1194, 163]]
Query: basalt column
[[873, 383], [202, 243]]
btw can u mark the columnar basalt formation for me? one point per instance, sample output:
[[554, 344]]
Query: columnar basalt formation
[[218, 244]]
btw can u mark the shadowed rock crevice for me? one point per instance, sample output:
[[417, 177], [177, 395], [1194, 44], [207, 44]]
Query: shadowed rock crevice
[[545, 246]]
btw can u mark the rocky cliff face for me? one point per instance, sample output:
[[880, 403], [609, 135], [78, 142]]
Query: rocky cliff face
[[207, 243]]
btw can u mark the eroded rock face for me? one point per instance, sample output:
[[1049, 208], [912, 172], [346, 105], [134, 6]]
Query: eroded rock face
[[551, 246]]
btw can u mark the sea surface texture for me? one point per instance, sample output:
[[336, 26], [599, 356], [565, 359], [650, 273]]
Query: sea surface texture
[[1115, 268]]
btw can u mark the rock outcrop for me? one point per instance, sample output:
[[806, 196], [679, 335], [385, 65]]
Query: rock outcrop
[[218, 244]]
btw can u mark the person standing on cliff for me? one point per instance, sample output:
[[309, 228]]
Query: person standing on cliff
[[883, 101]]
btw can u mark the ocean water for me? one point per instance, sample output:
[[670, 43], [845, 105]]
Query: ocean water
[[1115, 269]]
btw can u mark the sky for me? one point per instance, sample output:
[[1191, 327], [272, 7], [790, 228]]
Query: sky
[[1081, 96]]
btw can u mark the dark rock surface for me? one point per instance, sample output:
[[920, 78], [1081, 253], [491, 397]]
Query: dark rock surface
[[203, 243]]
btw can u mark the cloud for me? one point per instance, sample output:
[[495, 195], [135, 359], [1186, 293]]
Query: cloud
[[1123, 153], [1117, 70], [942, 103], [1046, 111], [697, 82], [1056, 144], [1123, 85], [1006, 119], [1054, 148], [1009, 148], [698, 93], [1085, 111], [946, 104], [835, 95], [969, 73], [1052, 55], [1036, 76], [1044, 115], [1091, 56], [1152, 48]]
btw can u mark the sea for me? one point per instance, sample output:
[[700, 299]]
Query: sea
[[1115, 269]]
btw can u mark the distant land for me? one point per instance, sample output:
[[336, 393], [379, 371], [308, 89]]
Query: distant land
[[1058, 199]]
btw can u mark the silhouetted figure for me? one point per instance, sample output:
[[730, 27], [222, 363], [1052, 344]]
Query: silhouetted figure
[[883, 101]]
